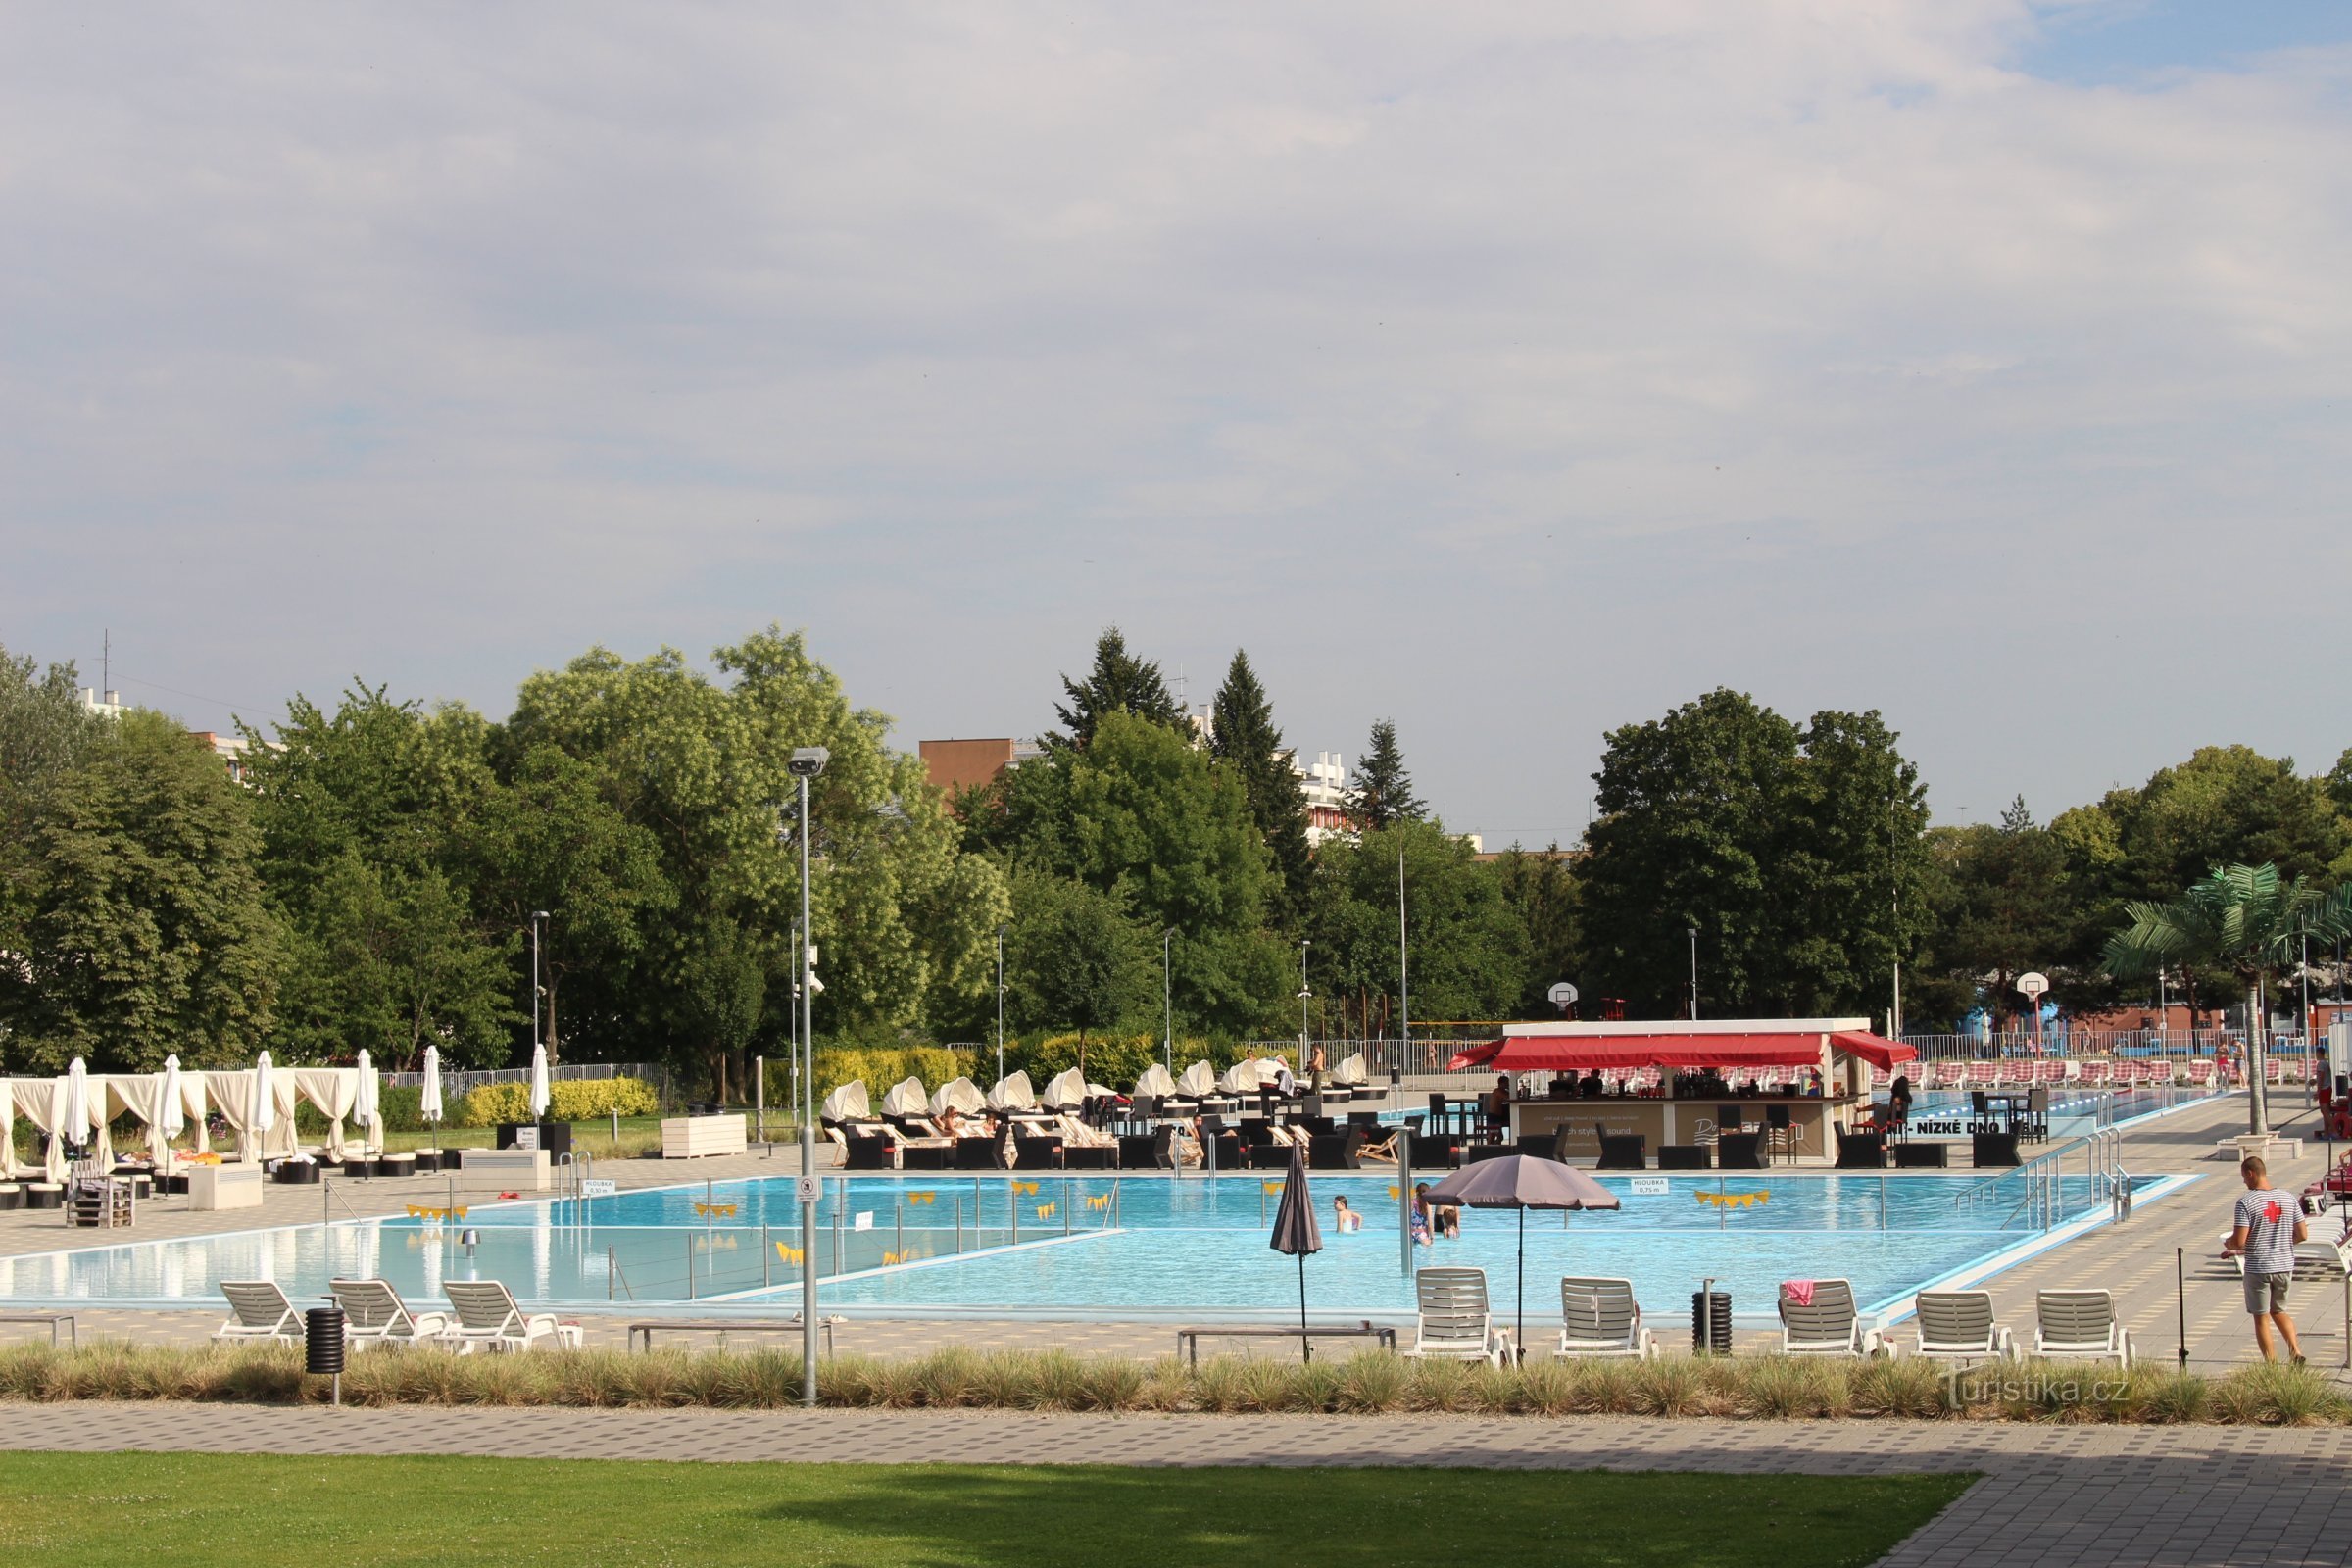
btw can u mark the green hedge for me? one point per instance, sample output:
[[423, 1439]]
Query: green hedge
[[569, 1099]]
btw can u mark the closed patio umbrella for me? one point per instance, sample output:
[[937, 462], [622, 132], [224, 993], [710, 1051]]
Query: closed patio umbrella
[[171, 1116], [1522, 1182], [1295, 1233], [76, 1129], [264, 1103], [539, 1095], [428, 1098], [363, 1105]]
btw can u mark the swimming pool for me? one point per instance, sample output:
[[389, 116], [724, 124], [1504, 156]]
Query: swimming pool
[[1086, 1246]]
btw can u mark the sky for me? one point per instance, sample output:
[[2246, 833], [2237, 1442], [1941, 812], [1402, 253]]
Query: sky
[[1512, 372]]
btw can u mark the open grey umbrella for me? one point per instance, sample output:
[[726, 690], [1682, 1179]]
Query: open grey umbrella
[[1522, 1182], [1295, 1233]]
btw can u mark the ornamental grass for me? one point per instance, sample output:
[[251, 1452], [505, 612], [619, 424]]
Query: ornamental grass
[[1369, 1384]]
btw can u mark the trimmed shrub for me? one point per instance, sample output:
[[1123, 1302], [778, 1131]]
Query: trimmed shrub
[[569, 1099]]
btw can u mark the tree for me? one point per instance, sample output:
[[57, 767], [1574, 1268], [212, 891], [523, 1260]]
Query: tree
[[45, 733], [1468, 949], [2007, 909], [1119, 680], [1851, 874], [2225, 805], [1244, 738], [1382, 794], [1539, 887], [1075, 955], [2247, 918], [360, 813], [1691, 808], [148, 935]]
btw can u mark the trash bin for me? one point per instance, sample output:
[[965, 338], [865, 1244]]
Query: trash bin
[[1712, 1322], [322, 1341]]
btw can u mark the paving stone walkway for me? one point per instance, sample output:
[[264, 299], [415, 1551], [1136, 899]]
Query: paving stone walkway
[[2080, 1494]]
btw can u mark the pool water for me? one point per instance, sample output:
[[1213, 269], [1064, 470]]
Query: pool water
[[1089, 1246]]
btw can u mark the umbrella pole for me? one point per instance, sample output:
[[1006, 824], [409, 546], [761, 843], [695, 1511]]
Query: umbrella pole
[[1306, 1350]]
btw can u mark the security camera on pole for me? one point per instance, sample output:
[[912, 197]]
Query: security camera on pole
[[807, 763]]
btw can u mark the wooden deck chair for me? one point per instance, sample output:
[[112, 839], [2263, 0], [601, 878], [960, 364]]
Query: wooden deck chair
[[258, 1309], [487, 1316], [1454, 1321], [2079, 1326], [1827, 1325], [1599, 1317], [1959, 1326], [374, 1315]]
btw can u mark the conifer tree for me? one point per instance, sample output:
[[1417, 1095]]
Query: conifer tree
[[1382, 794], [1118, 679], [1244, 738]]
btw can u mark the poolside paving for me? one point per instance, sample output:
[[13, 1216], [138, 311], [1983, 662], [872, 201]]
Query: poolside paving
[[2187, 1496]]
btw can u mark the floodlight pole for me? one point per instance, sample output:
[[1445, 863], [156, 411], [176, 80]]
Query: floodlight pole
[[1304, 993], [1692, 932], [1167, 996], [1000, 1004], [807, 763], [1405, 973]]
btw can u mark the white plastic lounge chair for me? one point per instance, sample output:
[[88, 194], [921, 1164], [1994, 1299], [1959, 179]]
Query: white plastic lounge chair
[[374, 1315], [486, 1315], [259, 1310], [1958, 1326], [1827, 1325], [1454, 1321], [2079, 1326], [1599, 1317]]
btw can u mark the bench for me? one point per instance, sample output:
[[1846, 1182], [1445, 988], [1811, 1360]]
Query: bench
[[53, 1319], [723, 1327], [1187, 1341]]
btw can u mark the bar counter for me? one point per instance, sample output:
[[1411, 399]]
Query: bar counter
[[1659, 1121]]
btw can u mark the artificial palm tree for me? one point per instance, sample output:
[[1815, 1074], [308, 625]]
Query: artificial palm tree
[[2243, 918]]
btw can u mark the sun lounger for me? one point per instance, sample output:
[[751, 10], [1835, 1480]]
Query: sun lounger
[[2079, 1326], [1454, 1321], [1828, 1324], [487, 1316], [1599, 1317], [1959, 1326], [258, 1309], [374, 1315]]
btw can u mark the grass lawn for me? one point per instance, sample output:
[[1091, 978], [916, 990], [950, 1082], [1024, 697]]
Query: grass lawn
[[236, 1510]]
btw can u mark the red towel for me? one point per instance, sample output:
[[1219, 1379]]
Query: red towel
[[1797, 1292]]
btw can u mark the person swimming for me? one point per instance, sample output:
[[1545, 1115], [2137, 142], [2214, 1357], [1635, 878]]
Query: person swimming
[[1346, 1218]]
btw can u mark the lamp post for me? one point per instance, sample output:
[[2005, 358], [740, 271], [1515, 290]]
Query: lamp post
[[1303, 993], [1692, 932], [537, 915], [1000, 1004], [1167, 996], [1404, 970], [807, 763]]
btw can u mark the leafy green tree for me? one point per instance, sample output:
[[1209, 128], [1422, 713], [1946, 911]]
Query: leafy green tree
[[2008, 907], [2247, 918], [1244, 738], [361, 812], [722, 991], [1541, 888], [1468, 949], [45, 733], [1118, 681], [148, 934], [1851, 874], [1075, 956], [1382, 794], [1690, 812], [2225, 805]]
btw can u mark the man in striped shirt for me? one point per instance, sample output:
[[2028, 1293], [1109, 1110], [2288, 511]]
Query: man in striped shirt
[[2266, 1226]]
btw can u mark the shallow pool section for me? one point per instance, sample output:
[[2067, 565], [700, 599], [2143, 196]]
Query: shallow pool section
[[1087, 1246]]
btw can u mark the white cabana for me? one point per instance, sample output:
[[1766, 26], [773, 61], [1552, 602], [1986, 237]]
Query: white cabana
[[335, 1091], [1012, 1092], [143, 1094], [1241, 1078], [961, 1095], [1196, 1080], [1066, 1090], [906, 1098], [41, 1102], [846, 1104], [1351, 1072], [264, 1128], [1155, 1080]]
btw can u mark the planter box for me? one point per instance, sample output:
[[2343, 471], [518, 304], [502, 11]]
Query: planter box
[[224, 1186], [523, 1170], [699, 1137]]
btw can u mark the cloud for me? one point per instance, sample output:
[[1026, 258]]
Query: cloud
[[1513, 371]]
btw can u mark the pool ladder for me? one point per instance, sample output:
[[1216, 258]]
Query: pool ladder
[[2042, 1201]]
